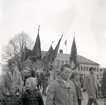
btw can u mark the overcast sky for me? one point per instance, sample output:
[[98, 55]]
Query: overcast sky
[[86, 19]]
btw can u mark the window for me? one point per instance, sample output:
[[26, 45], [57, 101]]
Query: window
[[81, 68], [101, 70], [58, 63], [97, 69], [84, 68]]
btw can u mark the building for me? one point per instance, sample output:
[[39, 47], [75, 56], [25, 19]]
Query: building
[[84, 63]]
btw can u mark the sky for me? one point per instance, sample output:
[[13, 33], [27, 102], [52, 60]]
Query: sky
[[84, 19]]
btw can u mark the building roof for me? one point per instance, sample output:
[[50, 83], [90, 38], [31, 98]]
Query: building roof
[[81, 59]]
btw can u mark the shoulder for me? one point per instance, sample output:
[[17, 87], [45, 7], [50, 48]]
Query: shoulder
[[54, 84]]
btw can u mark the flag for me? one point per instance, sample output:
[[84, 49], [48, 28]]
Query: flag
[[65, 43], [25, 54], [36, 51], [73, 56], [56, 49], [47, 59], [49, 55]]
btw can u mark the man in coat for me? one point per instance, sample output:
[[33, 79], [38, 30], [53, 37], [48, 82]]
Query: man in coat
[[11, 77], [91, 87], [62, 91]]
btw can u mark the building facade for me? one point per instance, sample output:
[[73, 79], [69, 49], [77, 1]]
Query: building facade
[[84, 63]]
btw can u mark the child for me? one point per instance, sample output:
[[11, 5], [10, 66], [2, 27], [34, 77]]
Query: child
[[31, 95], [12, 97], [75, 80]]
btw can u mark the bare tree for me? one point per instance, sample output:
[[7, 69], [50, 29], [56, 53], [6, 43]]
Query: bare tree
[[16, 46]]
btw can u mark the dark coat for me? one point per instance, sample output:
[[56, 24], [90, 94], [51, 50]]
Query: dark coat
[[32, 98], [103, 88], [12, 100]]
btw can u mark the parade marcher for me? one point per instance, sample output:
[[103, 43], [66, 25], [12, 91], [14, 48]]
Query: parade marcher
[[31, 95], [11, 77], [75, 79], [62, 91], [44, 81], [91, 87], [103, 87], [39, 82], [12, 97], [26, 73]]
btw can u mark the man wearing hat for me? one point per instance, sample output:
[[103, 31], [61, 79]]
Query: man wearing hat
[[11, 77], [91, 87]]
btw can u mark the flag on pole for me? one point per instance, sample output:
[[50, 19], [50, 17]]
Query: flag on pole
[[65, 43], [56, 49], [73, 56], [47, 59], [25, 54], [36, 51]]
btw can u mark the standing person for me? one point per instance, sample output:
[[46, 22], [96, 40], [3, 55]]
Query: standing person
[[91, 87], [62, 91], [103, 88], [13, 97], [44, 82], [31, 95], [26, 73], [39, 85], [11, 77], [76, 81]]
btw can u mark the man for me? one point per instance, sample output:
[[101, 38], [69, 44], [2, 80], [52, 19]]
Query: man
[[103, 87], [91, 87], [11, 77], [62, 91], [75, 79], [44, 81]]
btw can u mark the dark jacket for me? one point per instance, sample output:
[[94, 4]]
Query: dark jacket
[[12, 100], [103, 88], [32, 98]]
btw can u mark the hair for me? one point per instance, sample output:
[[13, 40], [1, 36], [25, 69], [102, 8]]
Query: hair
[[91, 68], [65, 65], [10, 62]]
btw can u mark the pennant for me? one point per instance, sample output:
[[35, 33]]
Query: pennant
[[56, 49], [36, 52], [73, 56]]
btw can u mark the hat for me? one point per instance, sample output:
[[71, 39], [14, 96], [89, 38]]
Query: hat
[[11, 61], [91, 68]]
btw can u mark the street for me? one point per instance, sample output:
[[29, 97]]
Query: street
[[85, 99]]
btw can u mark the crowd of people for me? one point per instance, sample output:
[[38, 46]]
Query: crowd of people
[[24, 88]]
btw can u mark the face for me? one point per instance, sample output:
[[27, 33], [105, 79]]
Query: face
[[12, 66], [66, 73], [27, 85], [92, 71], [12, 90], [77, 77]]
